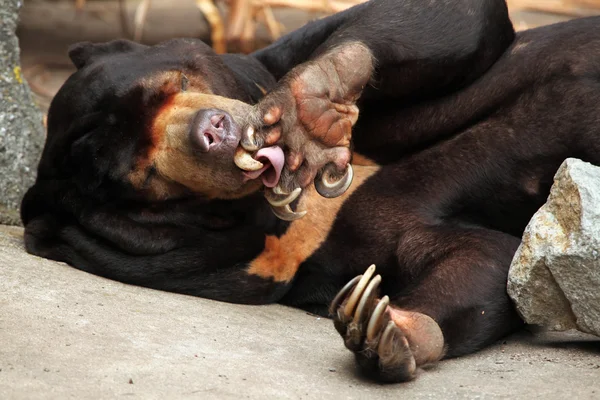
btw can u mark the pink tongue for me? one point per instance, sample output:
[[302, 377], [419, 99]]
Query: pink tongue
[[272, 170]]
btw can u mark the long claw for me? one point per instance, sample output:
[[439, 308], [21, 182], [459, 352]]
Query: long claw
[[248, 140], [244, 160], [278, 190], [362, 304], [337, 300], [376, 320], [386, 337], [282, 200], [357, 292], [330, 188], [285, 213]]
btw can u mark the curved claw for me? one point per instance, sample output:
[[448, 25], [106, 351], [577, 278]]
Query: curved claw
[[248, 140], [277, 190], [376, 319], [386, 337], [368, 294], [358, 291], [280, 200], [285, 213], [244, 160], [337, 300], [329, 188]]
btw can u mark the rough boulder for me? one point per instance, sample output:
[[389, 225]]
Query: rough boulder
[[554, 278]]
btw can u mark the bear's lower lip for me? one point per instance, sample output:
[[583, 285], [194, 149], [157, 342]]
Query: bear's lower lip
[[273, 160]]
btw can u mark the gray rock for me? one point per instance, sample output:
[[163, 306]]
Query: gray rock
[[21, 131], [554, 278]]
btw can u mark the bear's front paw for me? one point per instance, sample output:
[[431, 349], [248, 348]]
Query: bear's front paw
[[309, 116]]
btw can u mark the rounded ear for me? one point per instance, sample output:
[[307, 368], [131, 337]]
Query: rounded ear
[[85, 53]]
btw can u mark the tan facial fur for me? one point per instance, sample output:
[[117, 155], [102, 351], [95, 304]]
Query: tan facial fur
[[171, 165]]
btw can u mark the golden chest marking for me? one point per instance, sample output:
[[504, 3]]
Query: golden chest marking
[[282, 256]]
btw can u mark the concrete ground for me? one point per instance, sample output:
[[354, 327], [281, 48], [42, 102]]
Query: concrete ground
[[68, 334]]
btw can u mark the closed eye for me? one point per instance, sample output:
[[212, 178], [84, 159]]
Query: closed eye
[[184, 82]]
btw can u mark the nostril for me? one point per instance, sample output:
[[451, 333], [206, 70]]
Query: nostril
[[210, 139], [217, 121], [209, 128]]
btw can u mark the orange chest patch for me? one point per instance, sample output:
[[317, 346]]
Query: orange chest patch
[[282, 256]]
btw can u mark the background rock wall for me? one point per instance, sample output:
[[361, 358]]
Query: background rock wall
[[21, 130]]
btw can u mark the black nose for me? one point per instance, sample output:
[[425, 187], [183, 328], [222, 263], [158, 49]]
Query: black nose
[[209, 128]]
